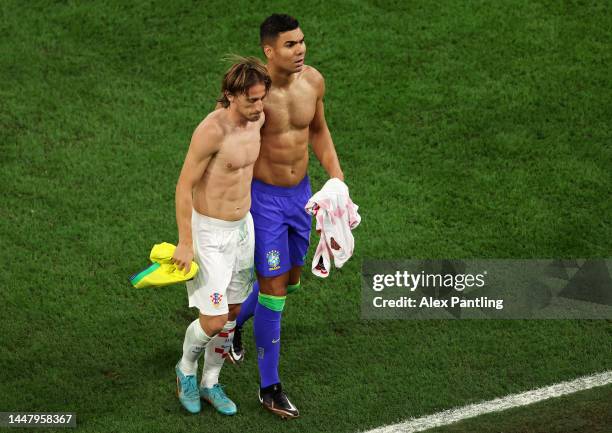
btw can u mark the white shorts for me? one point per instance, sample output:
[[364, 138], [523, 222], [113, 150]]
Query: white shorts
[[224, 252]]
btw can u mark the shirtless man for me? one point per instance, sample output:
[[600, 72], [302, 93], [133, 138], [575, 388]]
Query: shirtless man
[[280, 190], [213, 198]]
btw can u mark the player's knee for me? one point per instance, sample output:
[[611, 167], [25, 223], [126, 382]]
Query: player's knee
[[276, 286], [212, 325]]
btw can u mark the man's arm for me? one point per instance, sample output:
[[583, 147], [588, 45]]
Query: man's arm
[[322, 144], [204, 144]]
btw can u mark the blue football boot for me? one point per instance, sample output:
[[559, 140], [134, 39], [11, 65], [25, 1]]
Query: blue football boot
[[217, 398], [187, 391]]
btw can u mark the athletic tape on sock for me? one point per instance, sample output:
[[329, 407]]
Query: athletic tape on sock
[[293, 287], [274, 303]]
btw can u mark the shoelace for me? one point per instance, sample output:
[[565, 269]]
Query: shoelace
[[219, 393], [190, 389]]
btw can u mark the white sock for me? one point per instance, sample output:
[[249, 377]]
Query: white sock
[[216, 352], [195, 342]]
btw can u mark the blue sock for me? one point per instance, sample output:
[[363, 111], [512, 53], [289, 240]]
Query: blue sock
[[247, 310], [267, 327]]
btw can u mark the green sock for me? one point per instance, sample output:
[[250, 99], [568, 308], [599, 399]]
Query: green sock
[[293, 287]]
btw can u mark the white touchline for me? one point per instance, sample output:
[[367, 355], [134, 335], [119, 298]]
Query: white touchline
[[514, 400]]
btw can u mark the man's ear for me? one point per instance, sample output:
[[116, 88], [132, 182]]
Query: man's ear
[[267, 49], [229, 96]]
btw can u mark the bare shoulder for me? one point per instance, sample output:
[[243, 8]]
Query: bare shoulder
[[314, 78], [210, 132], [312, 75]]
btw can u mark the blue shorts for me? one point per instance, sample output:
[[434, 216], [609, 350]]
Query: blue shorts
[[282, 226]]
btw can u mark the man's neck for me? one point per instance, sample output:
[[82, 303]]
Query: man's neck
[[280, 78], [236, 119]]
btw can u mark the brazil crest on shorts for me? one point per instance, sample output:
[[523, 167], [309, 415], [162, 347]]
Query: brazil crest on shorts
[[273, 257]]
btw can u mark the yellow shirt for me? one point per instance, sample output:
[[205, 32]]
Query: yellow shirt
[[162, 272]]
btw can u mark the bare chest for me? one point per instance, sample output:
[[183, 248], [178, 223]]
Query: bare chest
[[290, 109], [239, 151]]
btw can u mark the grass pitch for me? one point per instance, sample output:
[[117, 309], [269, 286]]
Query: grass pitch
[[465, 130]]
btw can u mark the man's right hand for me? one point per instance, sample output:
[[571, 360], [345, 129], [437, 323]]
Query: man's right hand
[[182, 257]]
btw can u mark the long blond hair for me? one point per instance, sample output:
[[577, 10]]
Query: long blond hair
[[244, 73]]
